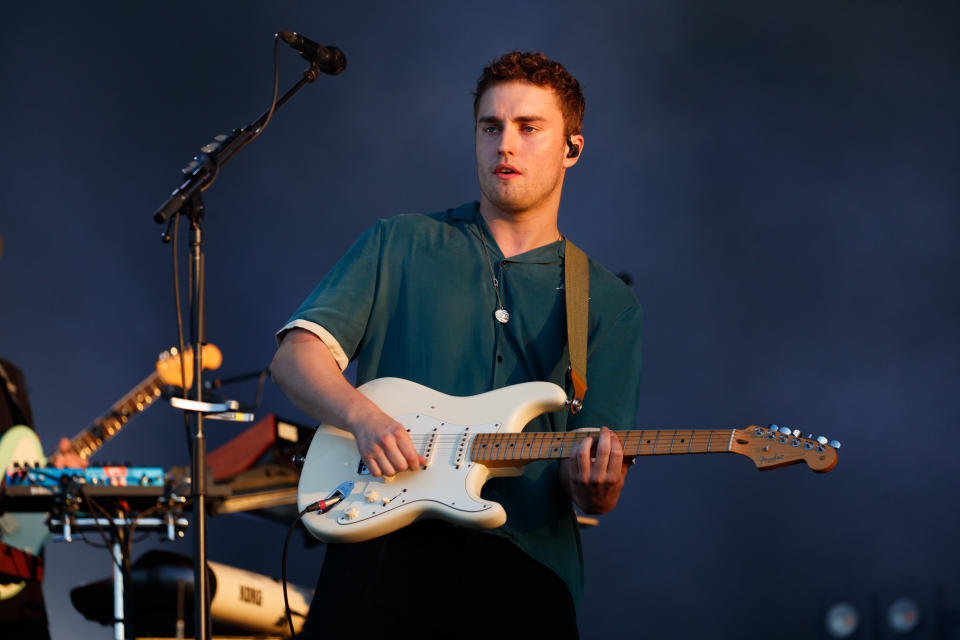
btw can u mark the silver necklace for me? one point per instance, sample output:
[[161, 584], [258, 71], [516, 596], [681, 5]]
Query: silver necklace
[[501, 314]]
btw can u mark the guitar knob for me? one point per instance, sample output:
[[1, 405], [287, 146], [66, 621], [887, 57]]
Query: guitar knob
[[835, 444], [785, 430], [796, 433], [352, 513], [371, 495], [822, 439]]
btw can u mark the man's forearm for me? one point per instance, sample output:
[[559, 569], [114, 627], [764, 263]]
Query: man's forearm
[[308, 373]]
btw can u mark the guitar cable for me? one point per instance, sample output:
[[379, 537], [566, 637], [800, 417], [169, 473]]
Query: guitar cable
[[316, 506], [175, 220], [174, 235]]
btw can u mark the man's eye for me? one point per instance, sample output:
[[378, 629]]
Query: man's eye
[[529, 128], [491, 129]]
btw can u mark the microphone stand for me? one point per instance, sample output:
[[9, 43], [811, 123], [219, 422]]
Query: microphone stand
[[213, 156], [187, 200]]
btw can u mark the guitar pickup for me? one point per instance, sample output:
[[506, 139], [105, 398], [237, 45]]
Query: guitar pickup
[[430, 450], [461, 453]]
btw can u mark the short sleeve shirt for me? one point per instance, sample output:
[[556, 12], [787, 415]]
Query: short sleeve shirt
[[414, 298]]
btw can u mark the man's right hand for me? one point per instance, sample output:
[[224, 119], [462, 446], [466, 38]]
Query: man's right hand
[[386, 447]]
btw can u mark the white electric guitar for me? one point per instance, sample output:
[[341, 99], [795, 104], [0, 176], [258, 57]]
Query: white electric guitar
[[20, 445], [467, 440]]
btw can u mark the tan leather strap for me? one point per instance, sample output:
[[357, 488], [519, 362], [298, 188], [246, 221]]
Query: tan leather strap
[[576, 284]]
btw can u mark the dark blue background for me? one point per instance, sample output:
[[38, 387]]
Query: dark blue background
[[779, 178]]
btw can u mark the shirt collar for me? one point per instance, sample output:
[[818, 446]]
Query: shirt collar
[[469, 214]]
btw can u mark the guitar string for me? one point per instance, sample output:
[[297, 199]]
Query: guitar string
[[705, 441], [638, 443], [664, 437], [633, 433], [633, 443]]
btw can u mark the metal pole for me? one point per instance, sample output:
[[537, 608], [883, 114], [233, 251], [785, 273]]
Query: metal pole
[[119, 633], [198, 474]]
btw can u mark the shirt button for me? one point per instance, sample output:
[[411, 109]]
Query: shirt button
[[499, 358], [503, 263]]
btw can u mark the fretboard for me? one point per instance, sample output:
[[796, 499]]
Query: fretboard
[[88, 441], [514, 449]]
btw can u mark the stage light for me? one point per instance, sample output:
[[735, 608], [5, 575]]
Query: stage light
[[842, 620], [903, 615]]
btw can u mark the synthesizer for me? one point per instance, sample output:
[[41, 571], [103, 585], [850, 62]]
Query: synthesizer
[[34, 488]]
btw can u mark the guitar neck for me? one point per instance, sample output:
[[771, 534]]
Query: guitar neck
[[88, 441], [514, 449], [168, 372]]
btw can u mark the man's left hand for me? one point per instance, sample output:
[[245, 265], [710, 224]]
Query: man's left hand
[[66, 458], [594, 484]]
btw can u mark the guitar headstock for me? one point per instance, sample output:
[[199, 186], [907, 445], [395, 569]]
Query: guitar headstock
[[772, 447], [168, 364]]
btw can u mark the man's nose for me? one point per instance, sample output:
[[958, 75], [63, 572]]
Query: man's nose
[[509, 138]]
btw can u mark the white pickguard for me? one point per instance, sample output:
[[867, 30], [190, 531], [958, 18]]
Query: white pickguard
[[449, 488]]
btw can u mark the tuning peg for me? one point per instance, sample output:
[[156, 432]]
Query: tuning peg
[[785, 430], [796, 433], [835, 444], [822, 439]]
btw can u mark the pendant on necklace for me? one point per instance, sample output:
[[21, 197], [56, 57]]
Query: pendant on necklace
[[501, 315]]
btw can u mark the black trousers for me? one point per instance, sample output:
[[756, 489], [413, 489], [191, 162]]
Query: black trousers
[[434, 580]]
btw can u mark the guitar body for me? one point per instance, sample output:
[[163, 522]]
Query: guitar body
[[26, 531], [441, 427]]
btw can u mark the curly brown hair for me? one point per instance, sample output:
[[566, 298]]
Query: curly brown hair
[[537, 69]]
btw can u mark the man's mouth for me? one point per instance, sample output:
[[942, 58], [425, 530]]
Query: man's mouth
[[506, 170]]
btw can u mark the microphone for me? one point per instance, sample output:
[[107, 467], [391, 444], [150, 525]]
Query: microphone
[[328, 60]]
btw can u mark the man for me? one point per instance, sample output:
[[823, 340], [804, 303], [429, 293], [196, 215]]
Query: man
[[465, 301]]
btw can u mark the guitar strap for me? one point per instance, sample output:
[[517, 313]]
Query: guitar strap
[[576, 284]]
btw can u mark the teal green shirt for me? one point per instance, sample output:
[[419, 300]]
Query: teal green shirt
[[414, 298]]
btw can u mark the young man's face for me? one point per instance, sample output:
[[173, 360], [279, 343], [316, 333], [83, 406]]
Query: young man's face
[[521, 149]]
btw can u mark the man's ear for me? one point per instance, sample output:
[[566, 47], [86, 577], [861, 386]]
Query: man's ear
[[574, 149]]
